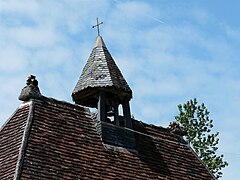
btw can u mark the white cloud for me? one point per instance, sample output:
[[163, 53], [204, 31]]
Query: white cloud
[[32, 37], [13, 58], [28, 7]]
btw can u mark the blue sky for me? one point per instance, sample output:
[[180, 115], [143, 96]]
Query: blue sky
[[169, 51]]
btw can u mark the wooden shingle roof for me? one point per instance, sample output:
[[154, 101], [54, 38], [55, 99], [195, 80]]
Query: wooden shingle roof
[[51, 139], [101, 71]]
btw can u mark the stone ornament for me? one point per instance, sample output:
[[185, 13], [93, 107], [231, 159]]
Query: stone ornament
[[31, 91]]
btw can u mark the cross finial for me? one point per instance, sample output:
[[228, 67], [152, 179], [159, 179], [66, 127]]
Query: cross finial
[[97, 25]]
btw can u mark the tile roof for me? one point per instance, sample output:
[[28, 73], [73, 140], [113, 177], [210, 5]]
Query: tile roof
[[11, 142], [51, 139], [101, 71]]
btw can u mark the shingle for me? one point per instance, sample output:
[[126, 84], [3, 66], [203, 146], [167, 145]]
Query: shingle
[[101, 71], [10, 142], [64, 143]]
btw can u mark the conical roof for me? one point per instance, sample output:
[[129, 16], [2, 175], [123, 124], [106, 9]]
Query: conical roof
[[101, 72]]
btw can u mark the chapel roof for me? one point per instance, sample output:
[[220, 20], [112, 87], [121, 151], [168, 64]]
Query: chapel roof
[[50, 139]]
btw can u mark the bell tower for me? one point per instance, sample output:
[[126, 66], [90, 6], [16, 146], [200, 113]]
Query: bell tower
[[102, 86]]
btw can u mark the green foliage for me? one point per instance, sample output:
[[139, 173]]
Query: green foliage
[[195, 119]]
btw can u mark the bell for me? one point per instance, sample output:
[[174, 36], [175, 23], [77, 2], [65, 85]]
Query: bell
[[110, 111]]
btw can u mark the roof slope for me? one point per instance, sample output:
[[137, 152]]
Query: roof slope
[[101, 71], [11, 136], [63, 143]]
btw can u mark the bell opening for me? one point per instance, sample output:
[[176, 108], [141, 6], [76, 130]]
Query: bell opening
[[110, 111]]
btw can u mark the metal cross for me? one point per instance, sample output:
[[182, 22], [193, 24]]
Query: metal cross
[[97, 25]]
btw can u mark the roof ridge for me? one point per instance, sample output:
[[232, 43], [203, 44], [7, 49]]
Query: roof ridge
[[108, 68], [24, 142], [150, 125], [113, 69], [155, 137], [62, 102], [149, 135]]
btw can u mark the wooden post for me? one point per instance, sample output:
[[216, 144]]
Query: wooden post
[[116, 113], [127, 114], [102, 106]]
